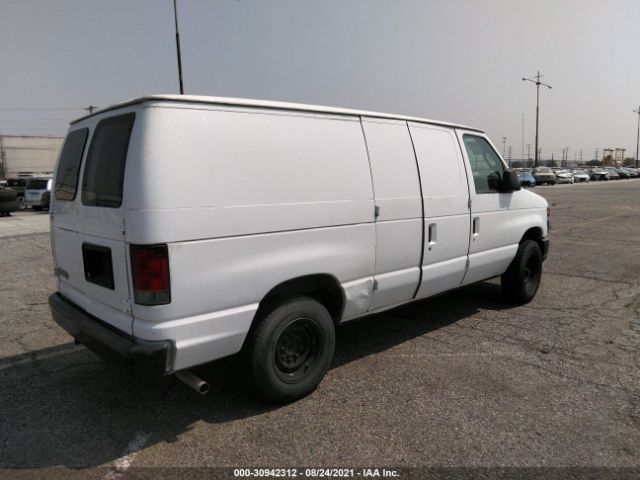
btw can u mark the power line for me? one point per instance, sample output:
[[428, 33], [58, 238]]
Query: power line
[[29, 109]]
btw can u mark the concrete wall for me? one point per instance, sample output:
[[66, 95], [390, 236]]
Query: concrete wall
[[22, 156]]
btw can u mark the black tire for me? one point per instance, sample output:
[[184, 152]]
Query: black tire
[[288, 352], [21, 204], [521, 280], [36, 208]]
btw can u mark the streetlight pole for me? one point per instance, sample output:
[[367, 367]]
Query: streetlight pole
[[638, 137], [538, 83], [504, 146], [175, 17]]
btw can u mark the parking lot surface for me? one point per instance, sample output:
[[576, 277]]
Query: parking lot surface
[[460, 380]]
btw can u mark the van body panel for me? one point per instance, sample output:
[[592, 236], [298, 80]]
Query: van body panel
[[398, 200], [317, 168], [220, 274], [201, 338], [147, 226], [446, 208], [397, 261]]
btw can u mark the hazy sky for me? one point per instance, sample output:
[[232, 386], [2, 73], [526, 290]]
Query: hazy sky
[[453, 60]]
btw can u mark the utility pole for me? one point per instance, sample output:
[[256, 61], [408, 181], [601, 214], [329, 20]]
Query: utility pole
[[522, 142], [528, 151], [580, 157], [175, 17], [509, 157], [504, 143], [638, 136], [597, 154], [538, 83]]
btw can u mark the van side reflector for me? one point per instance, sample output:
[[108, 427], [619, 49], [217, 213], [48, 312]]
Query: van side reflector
[[150, 272]]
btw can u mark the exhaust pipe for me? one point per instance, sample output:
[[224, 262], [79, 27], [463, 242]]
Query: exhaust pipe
[[194, 382]]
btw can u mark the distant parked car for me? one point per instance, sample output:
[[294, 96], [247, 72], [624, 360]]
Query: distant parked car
[[8, 201], [544, 175], [598, 174], [18, 184], [613, 174], [36, 186], [526, 179], [622, 172], [632, 172], [580, 176], [564, 176]]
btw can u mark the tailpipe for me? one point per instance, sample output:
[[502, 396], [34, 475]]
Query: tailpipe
[[193, 381]]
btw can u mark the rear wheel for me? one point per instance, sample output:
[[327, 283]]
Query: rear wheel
[[521, 280], [289, 351], [21, 204]]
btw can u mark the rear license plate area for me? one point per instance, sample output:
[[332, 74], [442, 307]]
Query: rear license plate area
[[98, 267]]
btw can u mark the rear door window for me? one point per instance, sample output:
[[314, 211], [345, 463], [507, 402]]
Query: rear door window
[[69, 166], [104, 170]]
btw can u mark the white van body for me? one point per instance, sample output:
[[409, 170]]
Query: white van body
[[254, 197]]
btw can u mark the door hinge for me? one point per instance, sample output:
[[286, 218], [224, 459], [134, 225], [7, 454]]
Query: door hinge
[[376, 211], [375, 284]]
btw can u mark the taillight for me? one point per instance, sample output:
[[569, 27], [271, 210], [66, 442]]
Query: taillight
[[150, 272]]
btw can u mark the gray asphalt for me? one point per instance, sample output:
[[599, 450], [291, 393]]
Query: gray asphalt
[[460, 380]]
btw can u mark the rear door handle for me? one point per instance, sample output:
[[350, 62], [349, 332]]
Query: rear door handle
[[433, 234], [476, 226]]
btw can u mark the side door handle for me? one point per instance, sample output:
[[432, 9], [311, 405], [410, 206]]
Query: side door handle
[[433, 234], [476, 226]]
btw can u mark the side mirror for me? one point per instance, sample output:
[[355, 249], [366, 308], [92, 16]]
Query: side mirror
[[510, 182]]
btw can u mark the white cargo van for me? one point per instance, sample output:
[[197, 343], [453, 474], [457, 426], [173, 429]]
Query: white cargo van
[[186, 229]]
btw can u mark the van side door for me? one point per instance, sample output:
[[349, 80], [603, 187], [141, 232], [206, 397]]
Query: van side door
[[398, 211], [491, 247], [445, 196]]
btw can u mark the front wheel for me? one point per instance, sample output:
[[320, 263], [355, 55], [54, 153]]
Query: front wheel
[[21, 204], [288, 352], [521, 280]]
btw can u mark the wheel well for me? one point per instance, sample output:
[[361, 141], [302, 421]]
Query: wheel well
[[322, 287], [534, 233]]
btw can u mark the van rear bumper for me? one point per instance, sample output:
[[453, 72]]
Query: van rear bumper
[[146, 357]]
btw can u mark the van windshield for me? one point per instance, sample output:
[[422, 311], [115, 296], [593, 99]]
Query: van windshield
[[104, 170]]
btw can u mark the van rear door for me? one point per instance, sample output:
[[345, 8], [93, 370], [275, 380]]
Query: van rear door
[[87, 220]]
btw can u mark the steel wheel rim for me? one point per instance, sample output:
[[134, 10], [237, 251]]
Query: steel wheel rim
[[298, 350]]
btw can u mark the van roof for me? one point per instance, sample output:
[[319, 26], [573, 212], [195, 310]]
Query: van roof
[[245, 102]]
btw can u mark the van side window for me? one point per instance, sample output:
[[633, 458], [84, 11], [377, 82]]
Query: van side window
[[69, 165], [104, 170], [486, 166]]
